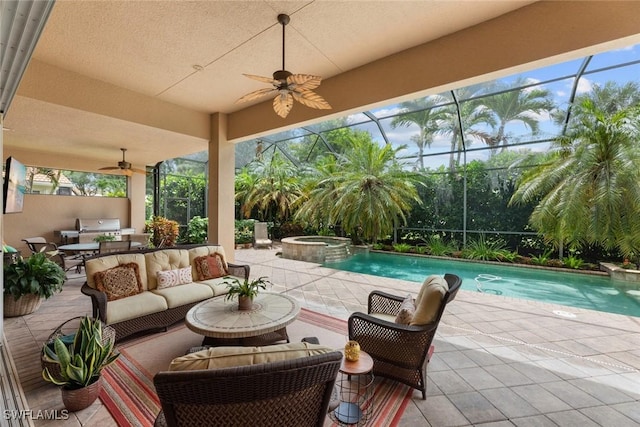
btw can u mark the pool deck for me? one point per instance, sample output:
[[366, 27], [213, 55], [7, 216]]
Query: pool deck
[[498, 361]]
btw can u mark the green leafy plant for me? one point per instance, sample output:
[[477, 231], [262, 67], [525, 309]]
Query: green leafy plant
[[572, 261], [244, 288], [164, 231], [34, 275], [378, 246], [542, 259], [486, 249], [244, 231], [402, 247], [197, 229], [81, 362], [104, 238], [438, 247], [420, 249]]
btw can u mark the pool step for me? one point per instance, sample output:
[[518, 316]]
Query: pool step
[[335, 253]]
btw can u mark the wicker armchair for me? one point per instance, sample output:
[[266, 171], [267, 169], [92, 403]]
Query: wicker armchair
[[399, 352], [286, 393]]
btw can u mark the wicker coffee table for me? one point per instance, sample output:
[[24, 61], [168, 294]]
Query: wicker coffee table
[[222, 323]]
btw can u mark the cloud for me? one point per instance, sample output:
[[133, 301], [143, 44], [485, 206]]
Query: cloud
[[584, 86]]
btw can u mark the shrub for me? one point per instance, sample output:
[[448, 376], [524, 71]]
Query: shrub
[[164, 232], [402, 247], [438, 247], [486, 249], [572, 262], [244, 231], [197, 230], [541, 259]]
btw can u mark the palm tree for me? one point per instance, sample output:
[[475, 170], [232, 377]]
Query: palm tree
[[589, 190], [272, 188], [365, 192], [516, 105], [424, 114], [471, 116]]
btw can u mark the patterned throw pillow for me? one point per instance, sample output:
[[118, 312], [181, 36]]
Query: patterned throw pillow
[[119, 282], [210, 266], [407, 308], [169, 278]]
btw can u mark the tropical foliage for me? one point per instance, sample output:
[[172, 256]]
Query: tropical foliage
[[370, 194], [588, 188]]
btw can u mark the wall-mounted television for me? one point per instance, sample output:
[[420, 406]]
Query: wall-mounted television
[[15, 184]]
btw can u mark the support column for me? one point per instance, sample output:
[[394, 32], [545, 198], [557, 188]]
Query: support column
[[137, 197], [220, 206]]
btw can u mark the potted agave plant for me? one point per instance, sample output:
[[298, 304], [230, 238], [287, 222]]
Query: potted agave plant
[[28, 281], [245, 290], [78, 366]]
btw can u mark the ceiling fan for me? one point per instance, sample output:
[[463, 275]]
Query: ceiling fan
[[288, 86], [124, 166]]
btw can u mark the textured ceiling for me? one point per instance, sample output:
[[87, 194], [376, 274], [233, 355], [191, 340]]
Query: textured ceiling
[[151, 47]]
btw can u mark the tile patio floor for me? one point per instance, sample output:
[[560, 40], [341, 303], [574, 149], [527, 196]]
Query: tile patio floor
[[498, 362]]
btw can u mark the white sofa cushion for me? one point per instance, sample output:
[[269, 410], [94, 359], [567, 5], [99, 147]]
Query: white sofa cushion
[[216, 285], [184, 294], [226, 357], [135, 306]]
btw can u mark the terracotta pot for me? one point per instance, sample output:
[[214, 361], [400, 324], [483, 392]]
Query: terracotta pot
[[245, 303], [78, 399], [26, 304]]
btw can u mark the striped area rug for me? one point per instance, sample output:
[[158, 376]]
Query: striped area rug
[[129, 395]]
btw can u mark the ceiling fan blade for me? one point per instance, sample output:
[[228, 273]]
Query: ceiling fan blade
[[303, 81], [282, 103], [311, 99], [269, 80], [127, 172], [256, 94], [140, 171], [109, 168]]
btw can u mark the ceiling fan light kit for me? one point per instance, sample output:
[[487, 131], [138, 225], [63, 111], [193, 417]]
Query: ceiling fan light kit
[[124, 166], [287, 86]]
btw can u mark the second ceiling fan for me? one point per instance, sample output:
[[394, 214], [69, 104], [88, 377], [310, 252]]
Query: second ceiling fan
[[288, 86]]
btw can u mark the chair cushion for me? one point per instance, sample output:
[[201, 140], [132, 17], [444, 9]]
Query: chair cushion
[[169, 278], [429, 299], [407, 309], [226, 357], [119, 282], [210, 266]]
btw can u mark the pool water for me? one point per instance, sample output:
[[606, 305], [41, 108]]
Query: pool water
[[571, 289]]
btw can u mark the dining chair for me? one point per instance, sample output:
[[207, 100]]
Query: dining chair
[[114, 246]]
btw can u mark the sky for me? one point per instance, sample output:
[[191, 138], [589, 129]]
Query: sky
[[560, 91]]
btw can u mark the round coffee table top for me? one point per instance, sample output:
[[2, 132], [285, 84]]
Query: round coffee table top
[[218, 318]]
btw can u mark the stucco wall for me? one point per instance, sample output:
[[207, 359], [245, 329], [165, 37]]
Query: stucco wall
[[42, 214]]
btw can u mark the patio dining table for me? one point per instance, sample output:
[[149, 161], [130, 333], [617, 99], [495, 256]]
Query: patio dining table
[[91, 247]]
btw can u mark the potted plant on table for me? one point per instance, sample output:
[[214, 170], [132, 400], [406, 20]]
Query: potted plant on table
[[245, 290], [28, 281], [80, 364]]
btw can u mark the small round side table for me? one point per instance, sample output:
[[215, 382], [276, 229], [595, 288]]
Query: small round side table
[[355, 394]]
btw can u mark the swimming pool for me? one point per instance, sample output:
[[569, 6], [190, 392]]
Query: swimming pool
[[572, 289]]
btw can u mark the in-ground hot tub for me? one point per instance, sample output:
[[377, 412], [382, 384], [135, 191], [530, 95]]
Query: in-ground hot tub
[[318, 249]]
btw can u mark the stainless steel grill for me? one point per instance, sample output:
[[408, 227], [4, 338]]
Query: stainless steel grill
[[87, 229]]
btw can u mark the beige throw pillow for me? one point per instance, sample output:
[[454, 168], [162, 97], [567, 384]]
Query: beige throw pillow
[[407, 309], [429, 299]]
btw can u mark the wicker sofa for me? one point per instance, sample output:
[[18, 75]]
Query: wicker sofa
[[125, 291]]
